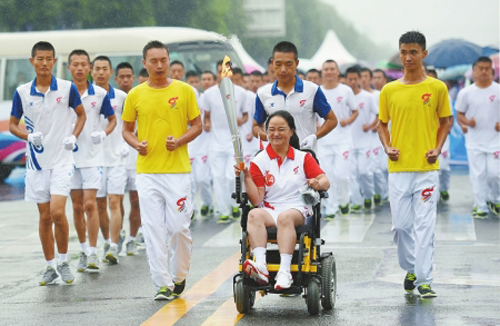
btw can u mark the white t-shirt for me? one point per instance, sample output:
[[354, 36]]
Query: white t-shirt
[[52, 115], [220, 136], [365, 102], [484, 105], [374, 134], [252, 146], [341, 99], [114, 141], [199, 146], [95, 102]]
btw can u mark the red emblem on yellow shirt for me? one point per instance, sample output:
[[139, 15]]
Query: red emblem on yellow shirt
[[426, 98]]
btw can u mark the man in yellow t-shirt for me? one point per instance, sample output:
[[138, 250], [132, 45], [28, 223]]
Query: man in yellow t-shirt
[[163, 107], [418, 108]]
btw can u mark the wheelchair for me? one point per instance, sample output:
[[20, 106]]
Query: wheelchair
[[314, 272]]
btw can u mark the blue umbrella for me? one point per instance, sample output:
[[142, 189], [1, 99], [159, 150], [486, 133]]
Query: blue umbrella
[[454, 72], [453, 52]]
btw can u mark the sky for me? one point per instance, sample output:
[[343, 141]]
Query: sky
[[384, 21]]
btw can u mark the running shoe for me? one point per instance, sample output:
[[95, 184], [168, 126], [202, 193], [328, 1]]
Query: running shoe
[[329, 217], [481, 215], [204, 210], [163, 294], [345, 210], [121, 239], [112, 256], [223, 219], [65, 272], [93, 265], [445, 196], [283, 280], [82, 262], [356, 208], [106, 249], [474, 212], [426, 291], [368, 203], [139, 239], [236, 213], [408, 284], [495, 209], [131, 248], [256, 271], [179, 288], [49, 277], [377, 200]]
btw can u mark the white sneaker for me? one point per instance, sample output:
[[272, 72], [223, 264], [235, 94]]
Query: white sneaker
[[283, 280], [256, 271]]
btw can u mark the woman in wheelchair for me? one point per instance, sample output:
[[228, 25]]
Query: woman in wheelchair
[[273, 185]]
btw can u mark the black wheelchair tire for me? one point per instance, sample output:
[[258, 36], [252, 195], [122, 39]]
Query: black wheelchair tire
[[313, 297], [242, 297], [328, 283]]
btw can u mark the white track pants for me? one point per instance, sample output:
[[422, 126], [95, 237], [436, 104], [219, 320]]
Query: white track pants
[[361, 176], [222, 168], [413, 197], [444, 166], [166, 207], [335, 161], [484, 173], [200, 179], [379, 177]]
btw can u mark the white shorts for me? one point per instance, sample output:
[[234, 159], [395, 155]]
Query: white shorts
[[131, 175], [113, 181], [41, 184], [277, 210], [86, 178]]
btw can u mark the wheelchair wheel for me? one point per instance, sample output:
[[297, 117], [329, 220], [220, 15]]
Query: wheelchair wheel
[[313, 297], [243, 297], [328, 283]]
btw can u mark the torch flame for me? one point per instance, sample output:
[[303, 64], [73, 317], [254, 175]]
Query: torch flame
[[226, 67]]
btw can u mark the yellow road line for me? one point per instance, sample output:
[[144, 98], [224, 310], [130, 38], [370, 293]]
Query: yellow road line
[[173, 311], [226, 314]]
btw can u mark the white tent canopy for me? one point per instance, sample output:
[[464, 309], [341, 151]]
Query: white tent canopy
[[249, 64], [333, 49]]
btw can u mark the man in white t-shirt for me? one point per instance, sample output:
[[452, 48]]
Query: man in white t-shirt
[[361, 174], [479, 115], [334, 149], [221, 146], [380, 182], [48, 105]]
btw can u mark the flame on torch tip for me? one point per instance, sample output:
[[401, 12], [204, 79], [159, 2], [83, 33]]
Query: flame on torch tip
[[226, 67]]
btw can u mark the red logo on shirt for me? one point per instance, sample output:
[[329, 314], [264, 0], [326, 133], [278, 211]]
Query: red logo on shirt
[[492, 98], [269, 179], [375, 151], [173, 102], [368, 153], [339, 99], [444, 154], [115, 107], [345, 155], [361, 105], [496, 154], [426, 98], [181, 204], [302, 103], [58, 100], [93, 104], [296, 170], [426, 194], [204, 158]]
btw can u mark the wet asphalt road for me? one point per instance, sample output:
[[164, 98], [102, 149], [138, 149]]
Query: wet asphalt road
[[466, 275]]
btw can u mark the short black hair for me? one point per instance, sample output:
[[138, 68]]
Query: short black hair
[[219, 63], [294, 140], [332, 61], [353, 70], [482, 59], [78, 52], [124, 65], [153, 45], [313, 70], [256, 73], [103, 58], [383, 72], [413, 37], [237, 71], [191, 73], [143, 73], [209, 72], [177, 62], [366, 69], [42, 46], [432, 71], [286, 47]]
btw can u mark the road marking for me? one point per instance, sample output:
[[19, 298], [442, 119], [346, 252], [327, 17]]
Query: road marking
[[350, 228], [451, 279], [173, 311], [230, 236], [455, 227]]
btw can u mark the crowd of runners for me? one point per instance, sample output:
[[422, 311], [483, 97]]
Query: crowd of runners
[[337, 115]]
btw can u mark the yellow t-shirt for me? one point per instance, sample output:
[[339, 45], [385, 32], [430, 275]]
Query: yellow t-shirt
[[414, 112], [161, 113]]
